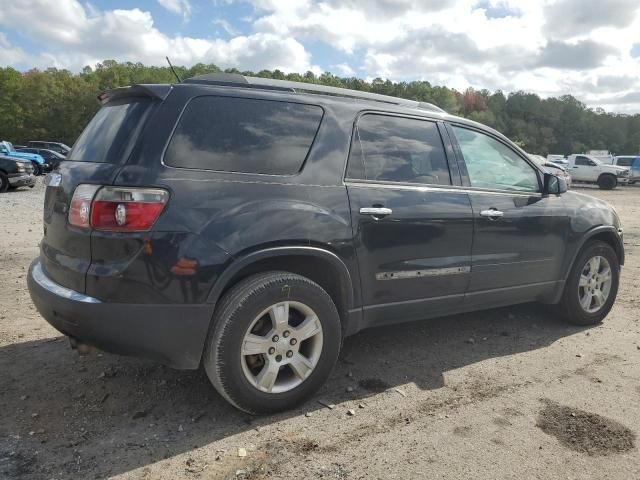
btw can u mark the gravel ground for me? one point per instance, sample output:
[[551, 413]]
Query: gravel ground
[[507, 393]]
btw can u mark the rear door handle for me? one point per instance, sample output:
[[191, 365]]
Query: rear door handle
[[376, 211], [492, 213]]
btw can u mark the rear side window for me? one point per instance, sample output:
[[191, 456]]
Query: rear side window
[[112, 131], [398, 149], [244, 135]]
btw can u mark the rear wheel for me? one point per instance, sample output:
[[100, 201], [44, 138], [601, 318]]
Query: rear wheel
[[607, 182], [4, 183], [274, 341], [592, 286]]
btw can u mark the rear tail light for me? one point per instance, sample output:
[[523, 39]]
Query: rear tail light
[[116, 209], [80, 210]]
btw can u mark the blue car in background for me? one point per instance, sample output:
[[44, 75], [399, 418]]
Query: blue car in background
[[632, 162], [39, 164]]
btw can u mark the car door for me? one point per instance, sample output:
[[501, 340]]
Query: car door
[[519, 232], [412, 230], [583, 169]]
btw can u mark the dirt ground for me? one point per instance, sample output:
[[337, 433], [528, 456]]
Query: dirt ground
[[507, 393]]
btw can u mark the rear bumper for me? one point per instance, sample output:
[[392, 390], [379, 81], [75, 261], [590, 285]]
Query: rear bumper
[[22, 180], [172, 334]]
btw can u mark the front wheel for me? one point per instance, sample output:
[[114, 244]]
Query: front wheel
[[607, 182], [36, 168], [274, 341], [592, 285]]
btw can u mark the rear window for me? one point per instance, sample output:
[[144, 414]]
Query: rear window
[[625, 162], [112, 131], [243, 135]]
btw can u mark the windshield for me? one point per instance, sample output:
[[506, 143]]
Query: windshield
[[111, 133]]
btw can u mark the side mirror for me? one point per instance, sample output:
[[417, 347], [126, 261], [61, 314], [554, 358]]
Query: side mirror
[[554, 185]]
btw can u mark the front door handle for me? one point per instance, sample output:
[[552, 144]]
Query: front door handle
[[376, 212], [492, 214]]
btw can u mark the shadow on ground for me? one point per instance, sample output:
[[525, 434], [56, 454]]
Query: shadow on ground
[[100, 415]]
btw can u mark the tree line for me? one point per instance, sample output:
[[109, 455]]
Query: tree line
[[57, 104]]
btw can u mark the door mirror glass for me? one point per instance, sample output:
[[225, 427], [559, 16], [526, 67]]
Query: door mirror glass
[[554, 185]]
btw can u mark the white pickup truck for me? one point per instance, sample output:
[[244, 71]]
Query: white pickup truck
[[588, 169]]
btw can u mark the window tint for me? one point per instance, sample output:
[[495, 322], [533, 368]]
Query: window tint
[[491, 164], [397, 149], [111, 132], [244, 135]]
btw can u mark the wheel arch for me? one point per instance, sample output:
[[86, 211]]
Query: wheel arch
[[318, 264], [605, 233]]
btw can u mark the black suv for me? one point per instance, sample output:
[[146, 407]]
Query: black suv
[[249, 225]]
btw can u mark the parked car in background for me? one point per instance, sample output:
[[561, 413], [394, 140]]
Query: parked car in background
[[553, 168], [632, 162], [51, 157], [559, 159], [39, 164], [248, 225], [15, 173], [55, 146], [587, 169]]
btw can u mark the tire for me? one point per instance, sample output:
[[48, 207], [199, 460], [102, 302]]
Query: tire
[[607, 182], [36, 168], [4, 182], [570, 307], [232, 373]]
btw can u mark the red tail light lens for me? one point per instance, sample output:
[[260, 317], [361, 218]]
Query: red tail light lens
[[80, 208], [123, 209], [117, 209]]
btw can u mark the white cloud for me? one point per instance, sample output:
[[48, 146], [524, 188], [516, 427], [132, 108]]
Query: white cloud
[[550, 47], [10, 55], [179, 7], [74, 38]]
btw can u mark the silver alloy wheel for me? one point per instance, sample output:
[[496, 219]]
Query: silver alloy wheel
[[281, 347], [595, 284]]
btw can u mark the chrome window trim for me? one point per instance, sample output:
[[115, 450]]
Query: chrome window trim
[[436, 188]]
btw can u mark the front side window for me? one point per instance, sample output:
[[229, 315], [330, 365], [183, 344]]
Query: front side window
[[491, 164], [398, 149], [584, 161], [244, 135]]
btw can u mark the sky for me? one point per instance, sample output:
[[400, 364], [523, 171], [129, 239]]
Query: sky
[[586, 48]]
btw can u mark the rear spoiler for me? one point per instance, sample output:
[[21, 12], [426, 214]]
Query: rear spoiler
[[157, 91]]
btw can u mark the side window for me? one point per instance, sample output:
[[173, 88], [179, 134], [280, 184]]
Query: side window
[[398, 149], [243, 135], [491, 164], [584, 161], [625, 162]]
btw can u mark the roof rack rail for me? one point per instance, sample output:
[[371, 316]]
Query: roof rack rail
[[237, 80]]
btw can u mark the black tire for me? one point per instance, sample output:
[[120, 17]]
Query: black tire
[[607, 182], [569, 307], [234, 315], [36, 168], [4, 182]]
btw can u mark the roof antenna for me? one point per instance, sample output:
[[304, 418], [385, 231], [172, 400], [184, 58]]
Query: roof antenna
[[173, 70]]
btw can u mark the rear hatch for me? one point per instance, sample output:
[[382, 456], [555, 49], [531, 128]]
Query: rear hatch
[[96, 158]]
